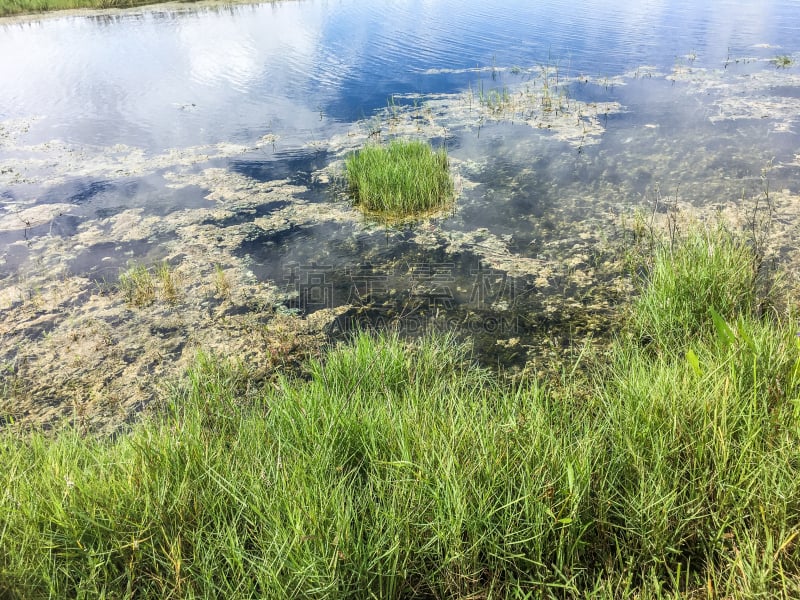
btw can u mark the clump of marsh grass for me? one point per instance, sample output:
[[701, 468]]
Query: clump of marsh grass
[[783, 61], [138, 285], [692, 443], [168, 279], [141, 285], [707, 267], [401, 179], [222, 283]]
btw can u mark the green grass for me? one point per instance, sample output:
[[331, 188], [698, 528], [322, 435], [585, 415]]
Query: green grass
[[783, 61], [140, 285], [401, 179], [709, 266], [13, 7], [399, 471]]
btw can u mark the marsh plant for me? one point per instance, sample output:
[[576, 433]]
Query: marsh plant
[[783, 61], [138, 285], [685, 274], [542, 97], [168, 280], [222, 283], [141, 285], [399, 179]]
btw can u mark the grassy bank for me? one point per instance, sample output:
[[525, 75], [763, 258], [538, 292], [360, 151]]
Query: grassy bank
[[668, 467], [15, 7]]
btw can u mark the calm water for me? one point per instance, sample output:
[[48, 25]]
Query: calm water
[[296, 67], [186, 117]]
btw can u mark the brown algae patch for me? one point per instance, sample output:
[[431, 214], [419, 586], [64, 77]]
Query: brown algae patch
[[75, 348], [54, 162], [565, 119], [12, 129], [14, 217], [85, 353]]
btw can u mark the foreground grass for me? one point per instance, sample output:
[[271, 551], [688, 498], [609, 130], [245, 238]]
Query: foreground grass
[[403, 178], [671, 469], [707, 268]]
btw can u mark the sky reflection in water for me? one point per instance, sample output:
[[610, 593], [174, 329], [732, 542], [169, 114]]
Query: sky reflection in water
[[160, 79]]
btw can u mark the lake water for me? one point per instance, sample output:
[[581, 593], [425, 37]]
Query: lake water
[[213, 138]]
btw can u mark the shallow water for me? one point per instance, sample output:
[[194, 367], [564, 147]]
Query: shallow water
[[213, 139]]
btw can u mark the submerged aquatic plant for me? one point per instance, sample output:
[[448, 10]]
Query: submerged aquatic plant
[[783, 61], [140, 285], [401, 179], [137, 285]]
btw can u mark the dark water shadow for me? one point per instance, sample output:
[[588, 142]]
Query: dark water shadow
[[103, 262]]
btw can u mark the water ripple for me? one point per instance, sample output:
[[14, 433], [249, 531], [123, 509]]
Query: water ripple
[[161, 79]]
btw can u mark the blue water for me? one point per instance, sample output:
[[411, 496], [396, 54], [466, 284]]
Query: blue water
[[163, 78]]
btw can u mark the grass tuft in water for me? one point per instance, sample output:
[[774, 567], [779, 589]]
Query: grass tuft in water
[[783, 61], [222, 283], [169, 282], [138, 285], [141, 285], [401, 179]]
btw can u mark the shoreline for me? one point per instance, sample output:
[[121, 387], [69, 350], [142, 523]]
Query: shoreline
[[414, 454], [176, 6]]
